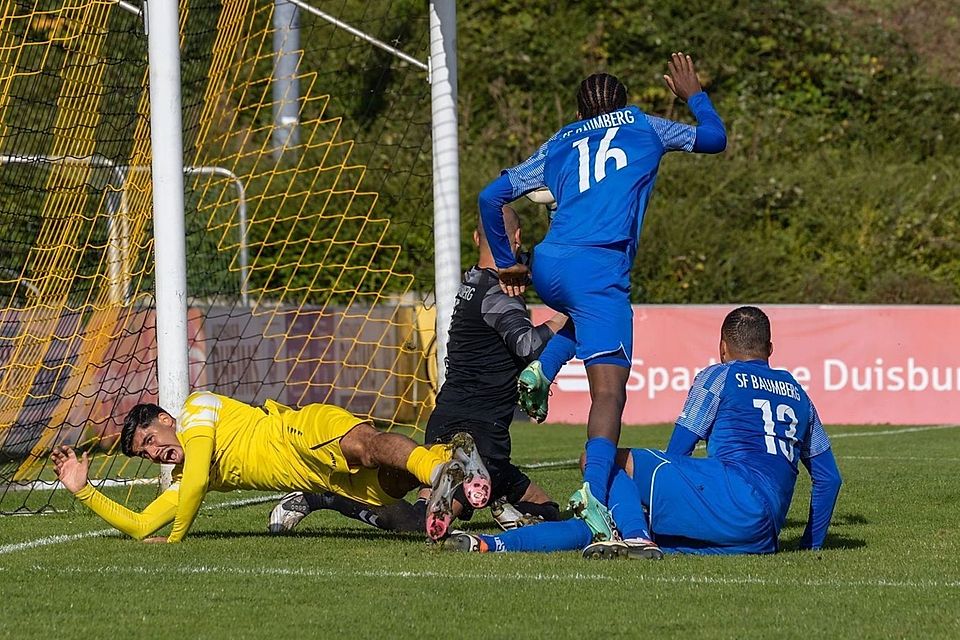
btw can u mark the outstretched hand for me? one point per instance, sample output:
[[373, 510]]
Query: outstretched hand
[[513, 280], [71, 471], [682, 77]]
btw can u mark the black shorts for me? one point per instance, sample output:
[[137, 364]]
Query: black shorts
[[493, 444]]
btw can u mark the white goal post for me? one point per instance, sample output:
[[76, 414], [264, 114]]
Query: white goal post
[[162, 21]]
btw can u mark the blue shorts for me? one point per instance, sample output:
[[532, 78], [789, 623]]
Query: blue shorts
[[592, 286], [701, 505]]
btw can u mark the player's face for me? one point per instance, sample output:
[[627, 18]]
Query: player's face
[[158, 442]]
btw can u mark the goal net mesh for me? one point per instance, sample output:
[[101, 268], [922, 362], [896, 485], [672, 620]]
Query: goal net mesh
[[309, 238]]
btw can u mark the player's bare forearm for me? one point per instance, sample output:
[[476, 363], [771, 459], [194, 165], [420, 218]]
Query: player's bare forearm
[[556, 322]]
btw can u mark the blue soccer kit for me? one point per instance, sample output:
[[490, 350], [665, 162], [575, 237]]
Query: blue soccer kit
[[601, 172], [758, 423]]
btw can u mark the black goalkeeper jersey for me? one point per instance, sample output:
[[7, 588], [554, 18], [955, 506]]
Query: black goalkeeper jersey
[[491, 340]]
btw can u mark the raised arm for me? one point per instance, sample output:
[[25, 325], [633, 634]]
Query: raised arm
[[73, 475], [710, 135], [817, 457]]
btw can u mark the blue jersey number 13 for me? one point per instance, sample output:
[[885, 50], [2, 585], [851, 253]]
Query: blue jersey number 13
[[604, 153], [784, 413]]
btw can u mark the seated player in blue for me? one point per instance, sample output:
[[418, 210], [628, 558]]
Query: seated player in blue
[[757, 421], [601, 169]]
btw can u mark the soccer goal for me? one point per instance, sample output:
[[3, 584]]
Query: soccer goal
[[291, 244]]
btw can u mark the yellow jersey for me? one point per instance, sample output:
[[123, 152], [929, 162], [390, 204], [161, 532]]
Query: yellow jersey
[[230, 445]]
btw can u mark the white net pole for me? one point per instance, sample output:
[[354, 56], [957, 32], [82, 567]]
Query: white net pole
[[170, 254], [286, 85], [446, 168]]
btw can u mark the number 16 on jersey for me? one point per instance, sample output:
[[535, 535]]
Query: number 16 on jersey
[[604, 153]]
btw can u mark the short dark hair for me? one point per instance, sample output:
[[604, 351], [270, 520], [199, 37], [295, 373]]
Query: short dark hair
[[139, 417], [747, 331], [600, 93]]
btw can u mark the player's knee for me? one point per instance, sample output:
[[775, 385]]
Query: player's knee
[[359, 445], [609, 396], [396, 483]]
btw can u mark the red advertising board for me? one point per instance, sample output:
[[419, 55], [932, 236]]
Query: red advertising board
[[860, 364]]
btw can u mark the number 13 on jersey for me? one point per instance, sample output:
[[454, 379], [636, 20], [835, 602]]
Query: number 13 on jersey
[[785, 413]]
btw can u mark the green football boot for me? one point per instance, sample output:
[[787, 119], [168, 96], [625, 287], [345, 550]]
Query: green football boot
[[534, 391], [592, 511]]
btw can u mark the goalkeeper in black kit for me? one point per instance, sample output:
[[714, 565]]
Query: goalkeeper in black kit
[[491, 340]]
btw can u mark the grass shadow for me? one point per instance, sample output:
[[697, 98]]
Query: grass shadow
[[833, 541], [371, 534], [838, 520]]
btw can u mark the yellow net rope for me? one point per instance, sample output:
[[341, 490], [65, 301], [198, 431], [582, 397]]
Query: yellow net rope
[[304, 267]]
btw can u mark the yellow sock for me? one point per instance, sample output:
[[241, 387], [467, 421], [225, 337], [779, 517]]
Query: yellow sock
[[442, 450], [424, 462]]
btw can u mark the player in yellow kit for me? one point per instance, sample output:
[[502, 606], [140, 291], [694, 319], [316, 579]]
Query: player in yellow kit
[[221, 444]]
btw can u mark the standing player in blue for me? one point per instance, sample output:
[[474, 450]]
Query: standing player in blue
[[601, 169], [757, 421]]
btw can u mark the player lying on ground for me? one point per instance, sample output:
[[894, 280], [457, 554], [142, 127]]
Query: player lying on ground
[[601, 169], [221, 444], [491, 340], [756, 420]]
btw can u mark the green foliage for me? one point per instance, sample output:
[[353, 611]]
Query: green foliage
[[32, 138], [839, 181], [383, 105]]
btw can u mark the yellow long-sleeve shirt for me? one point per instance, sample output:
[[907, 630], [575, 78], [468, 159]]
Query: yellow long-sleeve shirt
[[230, 445]]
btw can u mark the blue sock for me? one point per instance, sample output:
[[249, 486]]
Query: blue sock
[[561, 348], [597, 469], [564, 535], [626, 506]]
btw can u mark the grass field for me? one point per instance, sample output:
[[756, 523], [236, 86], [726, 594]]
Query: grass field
[[890, 570]]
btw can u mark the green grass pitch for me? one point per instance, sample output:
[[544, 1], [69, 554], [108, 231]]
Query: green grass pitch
[[890, 570]]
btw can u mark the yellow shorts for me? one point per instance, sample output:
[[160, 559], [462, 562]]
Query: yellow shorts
[[315, 432]]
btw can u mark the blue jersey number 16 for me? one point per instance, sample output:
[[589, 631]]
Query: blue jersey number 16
[[784, 412], [604, 153]]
